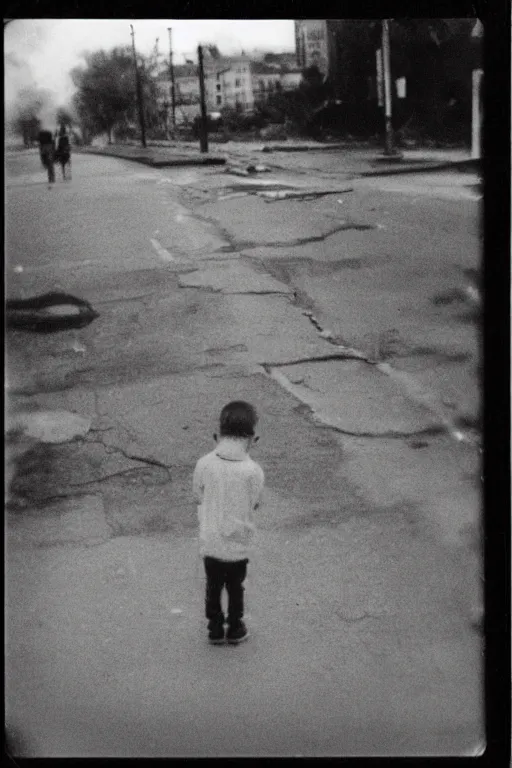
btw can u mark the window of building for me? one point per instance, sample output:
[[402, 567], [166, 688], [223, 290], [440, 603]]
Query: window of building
[[218, 76], [219, 100], [237, 82], [218, 86]]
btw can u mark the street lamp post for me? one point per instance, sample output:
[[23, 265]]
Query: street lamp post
[[139, 92], [476, 114], [386, 62], [173, 85], [204, 117], [165, 106]]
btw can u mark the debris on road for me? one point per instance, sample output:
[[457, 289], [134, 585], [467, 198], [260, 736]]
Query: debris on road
[[258, 169], [18, 269], [49, 313], [272, 196], [232, 195], [237, 171]]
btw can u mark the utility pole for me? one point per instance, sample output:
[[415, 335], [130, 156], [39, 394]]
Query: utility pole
[[173, 85], [139, 92], [476, 114], [389, 149], [204, 117]]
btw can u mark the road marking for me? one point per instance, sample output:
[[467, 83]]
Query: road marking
[[162, 252]]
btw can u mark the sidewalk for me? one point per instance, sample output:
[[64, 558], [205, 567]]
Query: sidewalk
[[349, 160], [157, 157]]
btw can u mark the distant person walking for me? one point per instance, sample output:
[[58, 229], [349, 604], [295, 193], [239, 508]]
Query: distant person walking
[[47, 153], [63, 152], [227, 486]]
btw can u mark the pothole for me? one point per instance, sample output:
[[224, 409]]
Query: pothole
[[49, 313]]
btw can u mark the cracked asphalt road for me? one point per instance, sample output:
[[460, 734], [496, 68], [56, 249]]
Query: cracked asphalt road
[[361, 587]]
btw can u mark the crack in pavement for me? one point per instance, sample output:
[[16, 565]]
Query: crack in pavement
[[427, 431], [132, 457], [256, 293], [101, 479], [346, 355], [244, 245]]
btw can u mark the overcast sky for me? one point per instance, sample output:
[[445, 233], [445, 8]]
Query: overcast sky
[[43, 51]]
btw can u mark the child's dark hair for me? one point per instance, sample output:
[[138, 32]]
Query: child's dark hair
[[238, 419]]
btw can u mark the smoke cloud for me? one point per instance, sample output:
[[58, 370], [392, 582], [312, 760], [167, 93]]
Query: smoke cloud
[[24, 96], [22, 92]]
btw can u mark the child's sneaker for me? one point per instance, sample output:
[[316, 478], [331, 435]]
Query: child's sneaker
[[237, 633], [216, 634]]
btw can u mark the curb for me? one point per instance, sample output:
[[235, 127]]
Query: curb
[[306, 148], [457, 165], [175, 162]]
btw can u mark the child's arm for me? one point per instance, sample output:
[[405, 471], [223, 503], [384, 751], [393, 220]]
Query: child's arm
[[197, 484]]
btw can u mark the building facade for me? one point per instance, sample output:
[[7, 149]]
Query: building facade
[[315, 44], [186, 88], [265, 80], [291, 80], [236, 82], [269, 79], [228, 83]]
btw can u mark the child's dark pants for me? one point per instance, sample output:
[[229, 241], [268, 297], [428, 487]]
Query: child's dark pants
[[219, 574]]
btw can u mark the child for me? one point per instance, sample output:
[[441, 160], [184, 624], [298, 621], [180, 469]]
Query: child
[[47, 153], [227, 486], [63, 152]]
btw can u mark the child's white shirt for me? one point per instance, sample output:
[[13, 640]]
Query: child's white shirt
[[227, 486]]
